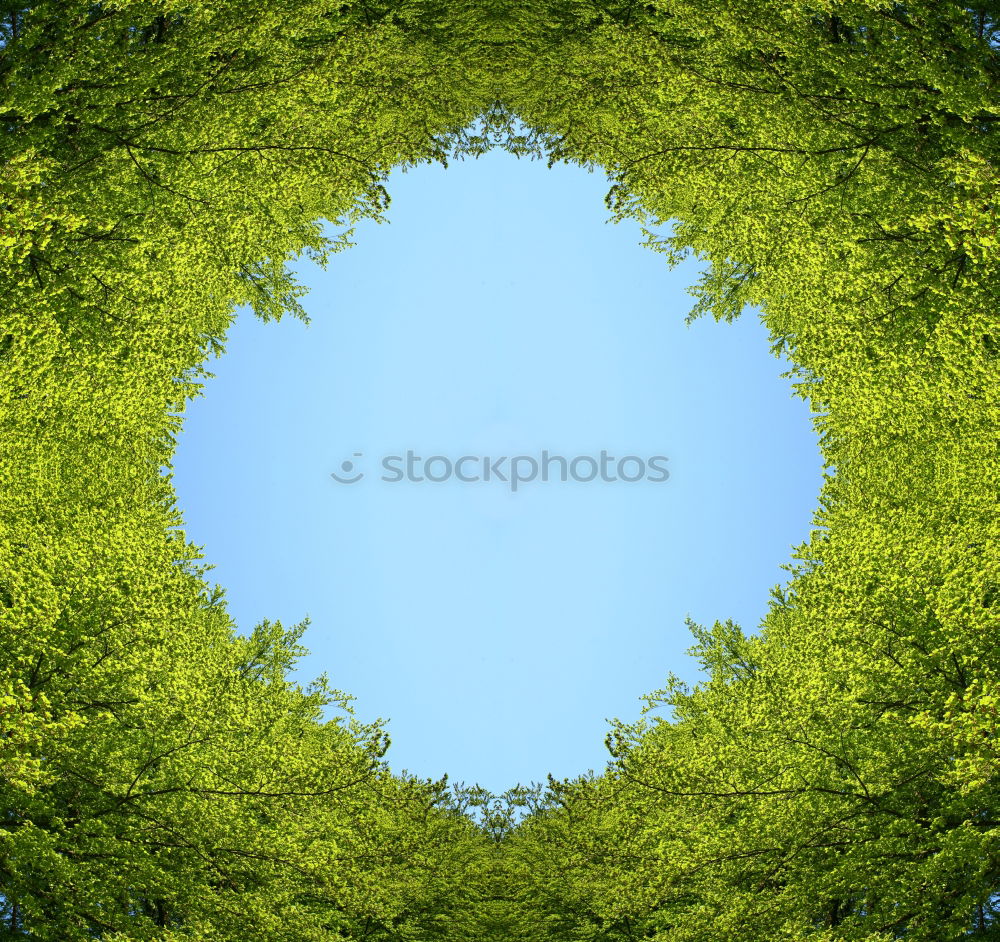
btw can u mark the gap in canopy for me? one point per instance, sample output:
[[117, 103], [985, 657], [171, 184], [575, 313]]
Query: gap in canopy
[[497, 314]]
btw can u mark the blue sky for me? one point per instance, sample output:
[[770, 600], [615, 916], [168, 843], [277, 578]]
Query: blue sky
[[497, 313]]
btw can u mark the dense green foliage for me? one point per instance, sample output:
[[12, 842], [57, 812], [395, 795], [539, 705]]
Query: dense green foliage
[[835, 777]]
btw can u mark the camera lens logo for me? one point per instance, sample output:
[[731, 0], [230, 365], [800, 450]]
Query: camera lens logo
[[348, 468]]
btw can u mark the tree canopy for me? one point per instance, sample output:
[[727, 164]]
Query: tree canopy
[[835, 777]]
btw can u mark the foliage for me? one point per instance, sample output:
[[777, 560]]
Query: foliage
[[835, 777]]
